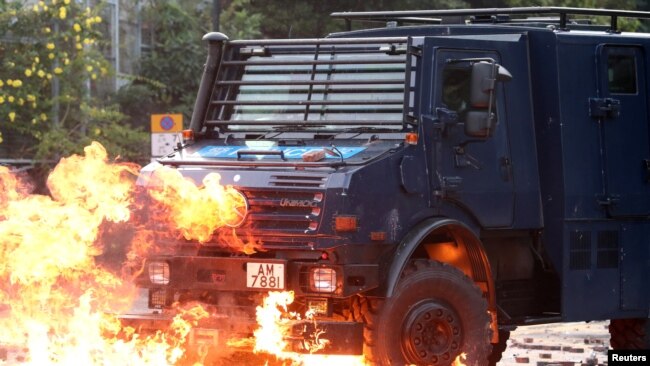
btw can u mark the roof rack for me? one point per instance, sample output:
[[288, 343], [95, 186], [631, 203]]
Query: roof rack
[[433, 16]]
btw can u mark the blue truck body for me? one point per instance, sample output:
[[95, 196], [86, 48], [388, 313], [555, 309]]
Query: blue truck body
[[547, 214]]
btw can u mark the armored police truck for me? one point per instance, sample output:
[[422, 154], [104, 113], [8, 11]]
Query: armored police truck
[[426, 186]]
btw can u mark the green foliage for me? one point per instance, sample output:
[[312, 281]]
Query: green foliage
[[177, 56], [625, 24], [300, 18], [50, 64], [238, 22]]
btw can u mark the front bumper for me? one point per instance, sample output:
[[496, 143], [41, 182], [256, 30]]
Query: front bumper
[[229, 274], [309, 337]]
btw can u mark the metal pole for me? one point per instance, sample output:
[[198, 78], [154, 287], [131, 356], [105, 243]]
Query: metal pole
[[56, 89], [216, 12]]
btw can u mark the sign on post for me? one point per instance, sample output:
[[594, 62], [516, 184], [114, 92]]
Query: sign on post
[[165, 133]]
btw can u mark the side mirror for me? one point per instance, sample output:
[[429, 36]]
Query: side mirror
[[480, 124], [481, 120], [484, 78]]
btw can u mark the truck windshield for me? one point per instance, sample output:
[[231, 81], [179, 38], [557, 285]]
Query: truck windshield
[[310, 85]]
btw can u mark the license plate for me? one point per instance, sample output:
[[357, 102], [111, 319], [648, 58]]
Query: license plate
[[265, 275]]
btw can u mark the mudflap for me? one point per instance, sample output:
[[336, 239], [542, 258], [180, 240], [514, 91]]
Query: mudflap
[[327, 337]]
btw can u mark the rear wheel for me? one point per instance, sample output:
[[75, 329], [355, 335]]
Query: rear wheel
[[629, 333], [435, 314]]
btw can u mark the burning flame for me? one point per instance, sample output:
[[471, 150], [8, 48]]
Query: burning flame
[[56, 300], [275, 322], [195, 212]]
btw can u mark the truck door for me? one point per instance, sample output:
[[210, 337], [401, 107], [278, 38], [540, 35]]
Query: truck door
[[474, 173], [622, 108]]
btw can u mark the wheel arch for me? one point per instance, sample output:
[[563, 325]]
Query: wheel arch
[[448, 241]]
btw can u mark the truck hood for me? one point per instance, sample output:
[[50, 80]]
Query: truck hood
[[290, 153]]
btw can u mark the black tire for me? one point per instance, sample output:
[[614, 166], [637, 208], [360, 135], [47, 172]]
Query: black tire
[[629, 333], [499, 348], [435, 314]]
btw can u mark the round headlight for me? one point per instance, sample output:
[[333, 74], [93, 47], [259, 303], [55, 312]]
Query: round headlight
[[239, 210]]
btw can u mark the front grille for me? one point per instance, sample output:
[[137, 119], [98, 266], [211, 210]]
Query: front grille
[[282, 212]]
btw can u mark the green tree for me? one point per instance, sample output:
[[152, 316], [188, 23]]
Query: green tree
[[626, 24], [300, 18], [51, 64]]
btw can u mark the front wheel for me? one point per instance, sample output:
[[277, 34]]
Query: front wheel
[[436, 314]]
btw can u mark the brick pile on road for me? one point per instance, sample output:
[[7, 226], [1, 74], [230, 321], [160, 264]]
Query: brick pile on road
[[569, 344]]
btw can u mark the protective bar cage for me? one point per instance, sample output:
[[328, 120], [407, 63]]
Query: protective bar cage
[[438, 16], [328, 84]]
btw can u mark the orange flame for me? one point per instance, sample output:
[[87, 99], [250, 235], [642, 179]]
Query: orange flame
[[275, 323], [197, 211], [55, 299]]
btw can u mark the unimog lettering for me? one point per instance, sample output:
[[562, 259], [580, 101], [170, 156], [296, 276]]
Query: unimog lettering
[[285, 202]]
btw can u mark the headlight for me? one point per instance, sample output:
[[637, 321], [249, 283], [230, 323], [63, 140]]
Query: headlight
[[322, 279], [159, 273]]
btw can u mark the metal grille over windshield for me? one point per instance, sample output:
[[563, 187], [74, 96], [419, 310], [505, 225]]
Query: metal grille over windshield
[[325, 84]]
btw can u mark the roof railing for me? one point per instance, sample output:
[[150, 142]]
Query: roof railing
[[435, 16]]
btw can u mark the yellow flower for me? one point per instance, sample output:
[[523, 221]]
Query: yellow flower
[[97, 131], [98, 19], [66, 61], [45, 8], [21, 101], [50, 56], [49, 76], [11, 98], [63, 13], [89, 68], [41, 3], [66, 2], [10, 82], [77, 38], [28, 72], [43, 117], [33, 121], [47, 30], [58, 70], [53, 2], [79, 46], [1, 138], [103, 70], [1, 83], [94, 76], [37, 59], [30, 98], [2, 99], [12, 116], [17, 84], [50, 46], [77, 27], [35, 8], [34, 105], [40, 73], [88, 41], [89, 22]]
